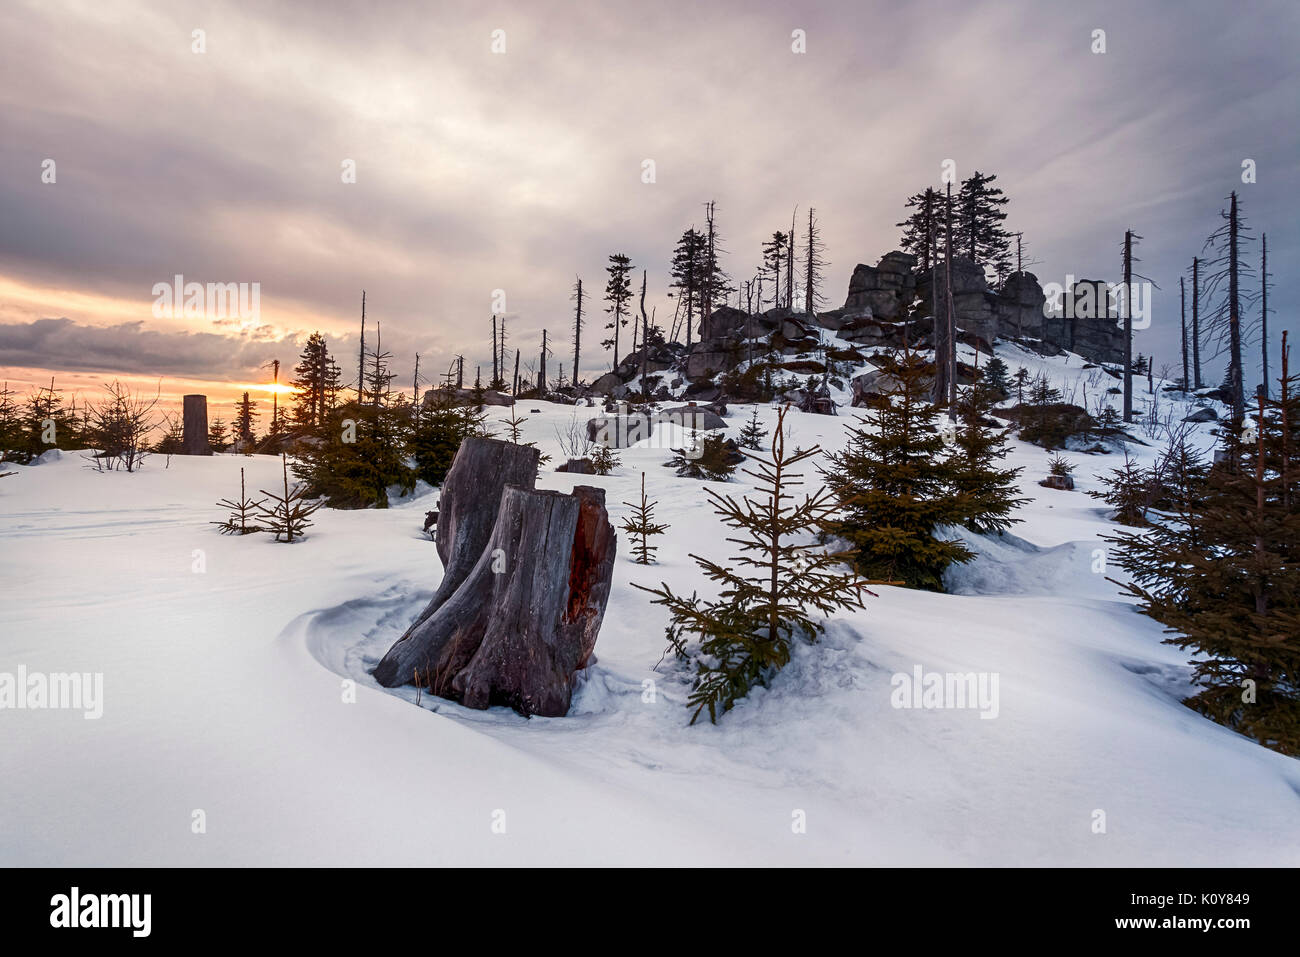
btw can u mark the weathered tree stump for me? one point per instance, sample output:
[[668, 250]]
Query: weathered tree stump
[[516, 623], [467, 508], [194, 418]]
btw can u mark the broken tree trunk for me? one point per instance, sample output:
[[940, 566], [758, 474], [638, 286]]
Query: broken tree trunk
[[467, 509], [522, 617]]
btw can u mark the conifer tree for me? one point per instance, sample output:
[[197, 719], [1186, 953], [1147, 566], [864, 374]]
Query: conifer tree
[[893, 484], [603, 460], [777, 589], [994, 375], [241, 520], [641, 527], [618, 293], [688, 275], [443, 427], [921, 228], [774, 264], [11, 429], [752, 435], [316, 384], [709, 457], [979, 220], [289, 515], [218, 435], [987, 491], [246, 415], [363, 450], [173, 438], [1222, 573], [1128, 490]]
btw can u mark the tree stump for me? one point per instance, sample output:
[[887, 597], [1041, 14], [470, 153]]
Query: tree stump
[[467, 508], [194, 414], [527, 578], [525, 618]]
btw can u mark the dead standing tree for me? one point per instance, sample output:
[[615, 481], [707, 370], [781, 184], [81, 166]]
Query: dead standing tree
[[515, 616]]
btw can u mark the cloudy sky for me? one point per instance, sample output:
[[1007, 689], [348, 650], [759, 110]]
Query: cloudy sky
[[520, 170]]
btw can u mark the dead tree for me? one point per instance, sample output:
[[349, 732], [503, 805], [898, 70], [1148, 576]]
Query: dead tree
[[1196, 323], [1263, 312], [577, 331], [814, 265], [519, 609]]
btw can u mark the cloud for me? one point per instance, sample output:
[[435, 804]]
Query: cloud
[[478, 172], [132, 348]]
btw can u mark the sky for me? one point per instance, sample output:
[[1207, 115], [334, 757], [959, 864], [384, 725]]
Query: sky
[[512, 162]]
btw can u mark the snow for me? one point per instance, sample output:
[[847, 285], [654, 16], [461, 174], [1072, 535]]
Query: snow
[[225, 663]]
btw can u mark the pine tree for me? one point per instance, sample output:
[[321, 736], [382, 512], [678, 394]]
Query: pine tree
[[514, 425], [1128, 490], [618, 292], [774, 264], [709, 458], [12, 438], [979, 220], [603, 460], [363, 449], [893, 484], [777, 589], [1020, 378], [987, 492], [289, 516], [641, 527], [218, 435], [246, 415], [173, 439], [921, 228], [316, 384], [752, 435], [994, 375], [688, 275], [242, 512], [443, 427], [1222, 573]]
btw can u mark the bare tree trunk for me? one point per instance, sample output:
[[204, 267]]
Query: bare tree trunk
[[1236, 379], [1128, 325], [361, 361], [1263, 313], [1182, 324], [1196, 322]]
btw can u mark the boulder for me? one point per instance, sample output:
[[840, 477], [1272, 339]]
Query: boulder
[[722, 323], [1205, 414], [608, 384], [464, 397], [1062, 482]]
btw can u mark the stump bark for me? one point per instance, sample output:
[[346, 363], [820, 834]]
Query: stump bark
[[514, 625], [194, 417], [467, 507]]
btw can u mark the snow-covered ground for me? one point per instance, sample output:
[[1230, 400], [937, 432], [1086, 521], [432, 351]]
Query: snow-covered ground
[[226, 662]]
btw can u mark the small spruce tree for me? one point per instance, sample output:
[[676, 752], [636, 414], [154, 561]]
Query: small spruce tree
[[641, 527], [752, 435], [779, 589], [240, 521], [289, 515], [894, 485]]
